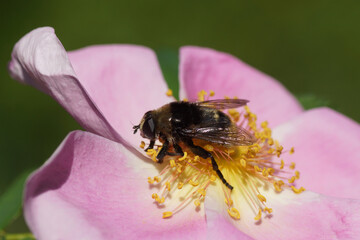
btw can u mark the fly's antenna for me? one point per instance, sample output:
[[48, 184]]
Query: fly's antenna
[[136, 127]]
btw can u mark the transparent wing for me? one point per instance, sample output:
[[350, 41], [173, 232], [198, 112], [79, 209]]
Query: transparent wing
[[223, 103], [231, 136]]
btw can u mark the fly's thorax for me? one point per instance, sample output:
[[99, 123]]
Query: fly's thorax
[[162, 118]]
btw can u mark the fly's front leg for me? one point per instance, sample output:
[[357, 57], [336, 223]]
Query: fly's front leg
[[151, 145], [163, 151]]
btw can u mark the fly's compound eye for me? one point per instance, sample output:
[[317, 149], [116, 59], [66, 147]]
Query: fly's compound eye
[[148, 128]]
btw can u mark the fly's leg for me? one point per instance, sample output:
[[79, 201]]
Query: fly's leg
[[205, 154], [163, 152], [151, 145], [178, 149]]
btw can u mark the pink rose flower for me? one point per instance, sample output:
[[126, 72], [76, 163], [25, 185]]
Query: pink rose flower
[[94, 185]]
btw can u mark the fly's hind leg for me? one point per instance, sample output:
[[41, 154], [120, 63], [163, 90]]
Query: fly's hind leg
[[205, 154]]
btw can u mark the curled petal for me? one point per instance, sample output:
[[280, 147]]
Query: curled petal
[[326, 151], [206, 69], [97, 85], [93, 188]]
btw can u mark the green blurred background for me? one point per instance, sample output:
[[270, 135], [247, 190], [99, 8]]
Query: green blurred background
[[312, 47]]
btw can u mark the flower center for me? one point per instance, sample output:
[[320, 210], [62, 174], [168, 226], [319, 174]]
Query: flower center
[[249, 169]]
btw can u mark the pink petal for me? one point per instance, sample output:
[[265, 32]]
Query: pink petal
[[202, 68], [305, 216], [106, 89], [326, 151], [93, 188]]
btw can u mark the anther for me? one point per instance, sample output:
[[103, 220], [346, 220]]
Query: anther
[[258, 216], [169, 93], [282, 164], [193, 183], [167, 214], [234, 213], [229, 202], [172, 163], [292, 150], [261, 198], [183, 157], [167, 184], [297, 190], [150, 180]]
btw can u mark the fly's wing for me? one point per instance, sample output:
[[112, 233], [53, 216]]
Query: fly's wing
[[230, 136], [223, 103]]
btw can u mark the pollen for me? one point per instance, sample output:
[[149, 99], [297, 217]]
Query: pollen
[[142, 144], [169, 93], [255, 171]]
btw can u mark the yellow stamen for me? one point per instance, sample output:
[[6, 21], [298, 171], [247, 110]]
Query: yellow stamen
[[183, 157], [142, 144], [282, 164], [258, 216], [261, 198], [269, 210], [264, 172], [297, 190], [167, 184], [150, 180], [169, 93], [212, 93], [157, 179], [172, 163], [185, 100], [180, 185], [229, 202], [193, 183], [197, 202], [243, 150], [213, 178], [292, 179], [243, 162], [297, 174], [202, 192], [292, 165], [234, 213], [167, 214], [292, 150], [209, 148]]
